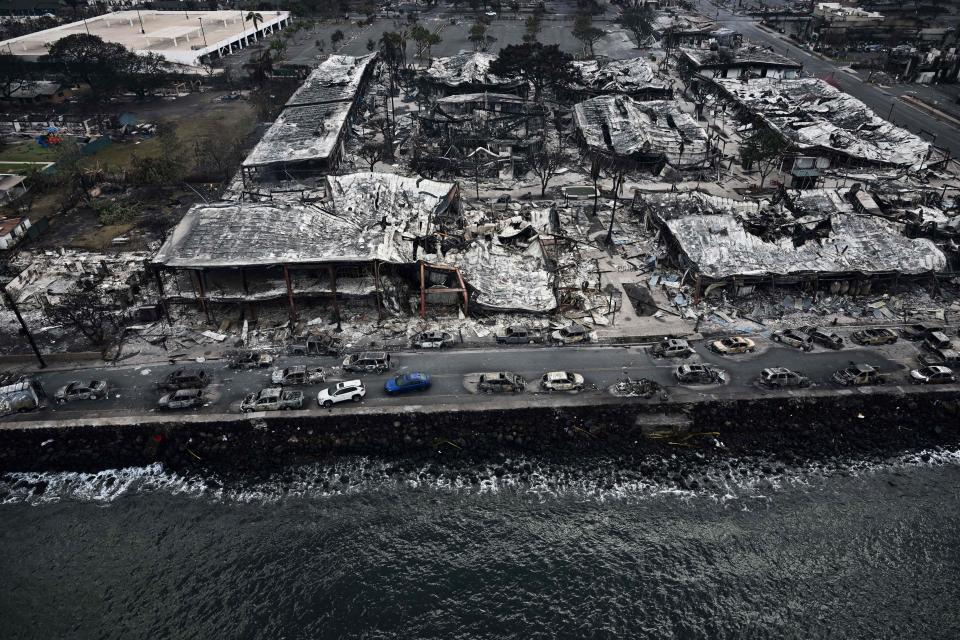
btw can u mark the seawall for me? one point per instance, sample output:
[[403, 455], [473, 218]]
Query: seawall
[[795, 425]]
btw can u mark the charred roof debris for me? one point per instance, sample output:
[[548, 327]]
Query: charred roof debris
[[466, 73], [816, 237], [650, 133], [743, 61], [815, 118], [632, 77], [307, 138]]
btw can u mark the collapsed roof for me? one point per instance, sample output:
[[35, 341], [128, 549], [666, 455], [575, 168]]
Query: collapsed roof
[[749, 55], [716, 242], [337, 79], [811, 114], [301, 134], [313, 119], [627, 128], [466, 70], [615, 76], [505, 278], [367, 216]]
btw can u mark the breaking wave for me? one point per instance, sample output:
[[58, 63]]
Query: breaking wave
[[729, 480]]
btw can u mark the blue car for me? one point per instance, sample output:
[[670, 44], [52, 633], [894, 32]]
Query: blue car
[[407, 382]]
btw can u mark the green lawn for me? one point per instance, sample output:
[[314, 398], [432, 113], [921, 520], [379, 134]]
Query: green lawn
[[27, 151], [19, 169]]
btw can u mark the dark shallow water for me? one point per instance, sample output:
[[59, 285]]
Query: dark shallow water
[[362, 550]]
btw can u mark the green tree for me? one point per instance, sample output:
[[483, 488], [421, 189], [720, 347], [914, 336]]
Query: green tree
[[532, 28], [87, 58], [278, 47], [336, 38], [585, 32], [539, 64], [478, 34], [260, 66], [764, 148], [637, 19]]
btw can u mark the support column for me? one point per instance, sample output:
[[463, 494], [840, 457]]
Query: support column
[[202, 294], [163, 302], [293, 306], [423, 294], [333, 288], [376, 283], [466, 297]]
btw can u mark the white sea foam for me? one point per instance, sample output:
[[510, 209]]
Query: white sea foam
[[732, 481]]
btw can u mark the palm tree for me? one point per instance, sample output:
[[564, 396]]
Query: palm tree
[[256, 19], [260, 67], [278, 47]]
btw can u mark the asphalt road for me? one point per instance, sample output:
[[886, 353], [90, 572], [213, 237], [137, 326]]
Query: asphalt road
[[877, 98], [133, 389]]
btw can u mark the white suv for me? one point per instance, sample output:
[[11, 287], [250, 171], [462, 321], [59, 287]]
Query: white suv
[[341, 392]]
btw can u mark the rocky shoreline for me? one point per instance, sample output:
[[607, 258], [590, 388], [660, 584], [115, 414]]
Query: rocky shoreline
[[784, 429]]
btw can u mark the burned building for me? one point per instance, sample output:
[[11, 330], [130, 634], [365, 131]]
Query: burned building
[[308, 137], [466, 73], [633, 78], [650, 134], [504, 129], [747, 61], [821, 241], [370, 227], [675, 27], [817, 120]]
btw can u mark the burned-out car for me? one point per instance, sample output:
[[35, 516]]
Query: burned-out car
[[698, 374], [792, 338], [182, 399], [272, 399], [935, 374], [184, 379], [431, 340], [824, 338], [733, 345], [249, 359], [874, 336], [561, 381], [367, 362], [501, 382], [316, 345], [570, 335], [782, 378], [81, 390], [917, 332], [298, 374], [860, 375], [518, 334], [672, 348]]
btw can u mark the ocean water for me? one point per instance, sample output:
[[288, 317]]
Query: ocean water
[[525, 548]]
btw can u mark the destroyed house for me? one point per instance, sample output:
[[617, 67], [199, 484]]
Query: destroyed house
[[674, 27], [467, 73], [307, 139], [504, 128], [633, 78], [370, 227], [648, 133], [823, 243], [742, 62], [337, 79], [820, 121]]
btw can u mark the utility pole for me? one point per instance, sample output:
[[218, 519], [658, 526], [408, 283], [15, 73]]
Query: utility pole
[[8, 299]]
